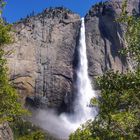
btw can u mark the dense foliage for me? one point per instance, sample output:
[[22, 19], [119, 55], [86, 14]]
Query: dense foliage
[[119, 115], [119, 103], [9, 105], [24, 130]]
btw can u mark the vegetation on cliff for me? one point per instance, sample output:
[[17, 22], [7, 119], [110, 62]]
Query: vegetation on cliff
[[9, 105], [24, 130], [11, 109], [119, 103]]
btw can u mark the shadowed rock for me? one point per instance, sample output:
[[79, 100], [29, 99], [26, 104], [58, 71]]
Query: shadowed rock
[[105, 36]]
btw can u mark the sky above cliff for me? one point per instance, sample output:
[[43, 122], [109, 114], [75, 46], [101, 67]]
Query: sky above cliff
[[16, 9]]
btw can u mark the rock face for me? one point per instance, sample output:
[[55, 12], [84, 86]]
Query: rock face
[[5, 132], [43, 55], [104, 36]]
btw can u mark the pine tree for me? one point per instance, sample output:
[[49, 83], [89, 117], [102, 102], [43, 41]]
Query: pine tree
[[9, 104]]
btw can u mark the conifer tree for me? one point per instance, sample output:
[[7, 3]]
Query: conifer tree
[[9, 104]]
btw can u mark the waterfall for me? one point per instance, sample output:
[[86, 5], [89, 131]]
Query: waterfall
[[82, 106], [63, 125], [85, 92]]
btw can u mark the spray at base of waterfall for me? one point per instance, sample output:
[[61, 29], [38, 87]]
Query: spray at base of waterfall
[[62, 125], [58, 126]]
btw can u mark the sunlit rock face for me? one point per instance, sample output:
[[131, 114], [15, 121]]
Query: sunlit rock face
[[105, 36], [43, 56]]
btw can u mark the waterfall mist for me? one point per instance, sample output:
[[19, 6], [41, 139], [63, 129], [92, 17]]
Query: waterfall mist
[[64, 124]]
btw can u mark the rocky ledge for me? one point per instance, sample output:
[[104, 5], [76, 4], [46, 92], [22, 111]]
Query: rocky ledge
[[5, 132]]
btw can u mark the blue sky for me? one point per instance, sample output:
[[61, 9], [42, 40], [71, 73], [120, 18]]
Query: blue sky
[[16, 9]]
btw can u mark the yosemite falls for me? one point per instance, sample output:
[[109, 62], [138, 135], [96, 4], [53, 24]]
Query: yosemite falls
[[65, 123], [85, 92]]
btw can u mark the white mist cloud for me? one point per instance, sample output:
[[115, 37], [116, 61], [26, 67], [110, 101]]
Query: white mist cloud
[[60, 126]]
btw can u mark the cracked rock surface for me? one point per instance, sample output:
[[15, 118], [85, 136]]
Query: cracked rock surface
[[5, 132], [44, 58], [43, 55], [105, 36]]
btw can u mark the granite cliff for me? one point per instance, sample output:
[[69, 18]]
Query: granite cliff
[[105, 36], [44, 57], [5, 132], [45, 53]]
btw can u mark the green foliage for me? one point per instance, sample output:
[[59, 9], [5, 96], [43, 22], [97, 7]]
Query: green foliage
[[24, 130], [83, 133], [119, 106], [132, 22], [2, 4], [132, 38], [5, 37], [119, 103], [33, 136], [9, 105]]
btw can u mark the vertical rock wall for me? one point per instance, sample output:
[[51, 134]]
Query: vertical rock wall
[[105, 36], [43, 54]]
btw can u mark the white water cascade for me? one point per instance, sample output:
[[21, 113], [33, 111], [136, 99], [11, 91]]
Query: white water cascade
[[82, 107], [63, 125], [85, 93]]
